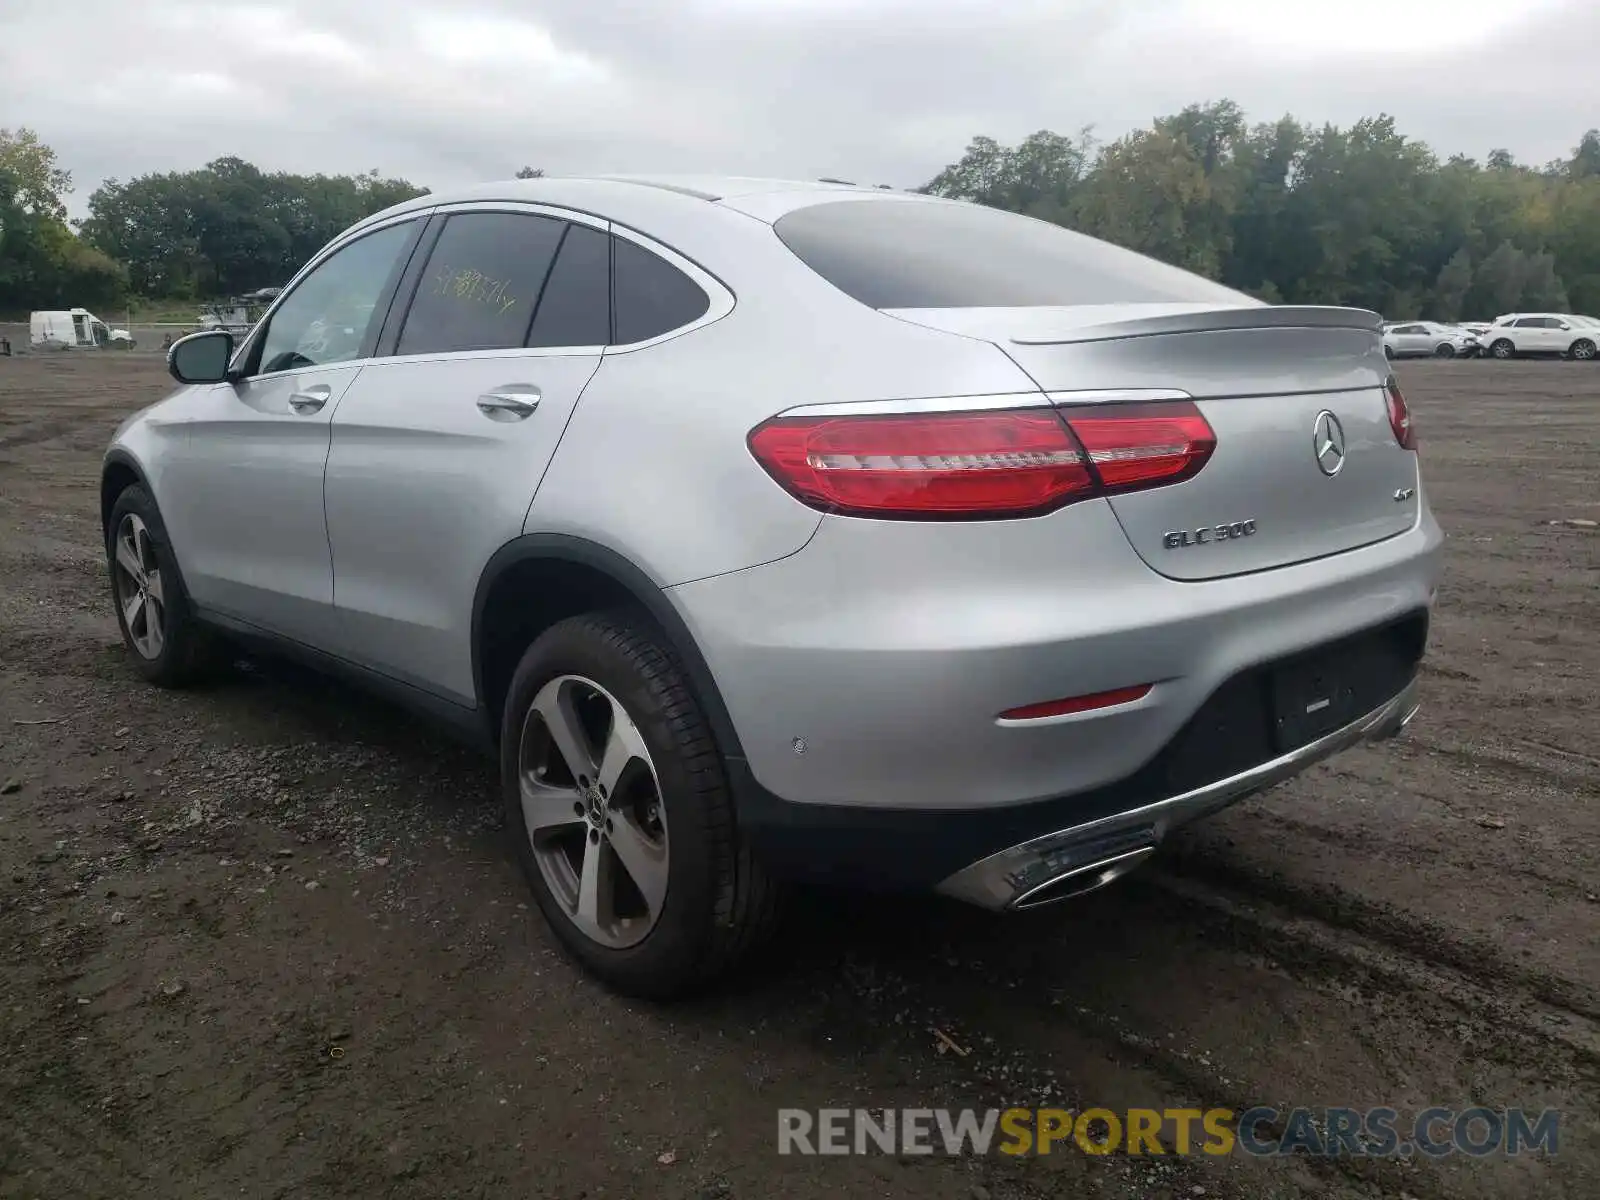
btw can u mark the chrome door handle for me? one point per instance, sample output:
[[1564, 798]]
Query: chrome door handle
[[513, 402], [311, 399]]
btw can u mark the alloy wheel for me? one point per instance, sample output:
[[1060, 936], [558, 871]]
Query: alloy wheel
[[141, 593], [592, 805]]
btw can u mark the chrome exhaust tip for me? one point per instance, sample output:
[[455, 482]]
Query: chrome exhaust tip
[[1080, 881]]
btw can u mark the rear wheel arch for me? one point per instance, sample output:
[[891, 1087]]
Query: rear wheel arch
[[538, 579]]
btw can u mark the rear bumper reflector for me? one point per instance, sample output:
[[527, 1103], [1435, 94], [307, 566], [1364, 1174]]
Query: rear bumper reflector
[[1077, 704]]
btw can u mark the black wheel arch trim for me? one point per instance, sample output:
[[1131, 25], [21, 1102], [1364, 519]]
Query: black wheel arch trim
[[560, 547], [117, 456]]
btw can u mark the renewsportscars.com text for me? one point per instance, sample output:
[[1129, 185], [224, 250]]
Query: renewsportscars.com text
[[1262, 1131]]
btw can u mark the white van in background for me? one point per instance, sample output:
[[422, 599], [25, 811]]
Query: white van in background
[[73, 327]]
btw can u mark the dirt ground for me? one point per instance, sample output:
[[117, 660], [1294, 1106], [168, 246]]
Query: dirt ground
[[264, 939]]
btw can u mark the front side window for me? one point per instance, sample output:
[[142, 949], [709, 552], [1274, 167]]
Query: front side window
[[481, 285], [327, 318], [895, 253]]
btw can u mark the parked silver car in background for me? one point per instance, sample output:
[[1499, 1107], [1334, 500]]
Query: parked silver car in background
[[776, 531], [1428, 339]]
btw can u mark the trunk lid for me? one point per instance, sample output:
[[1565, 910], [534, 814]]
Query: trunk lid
[[1276, 385]]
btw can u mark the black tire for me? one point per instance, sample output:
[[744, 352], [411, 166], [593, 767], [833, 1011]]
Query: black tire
[[1583, 350], [1503, 349], [719, 903], [1444, 350], [189, 651]]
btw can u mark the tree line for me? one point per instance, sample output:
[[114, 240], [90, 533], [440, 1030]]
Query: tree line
[[224, 229], [1307, 214], [1288, 211]]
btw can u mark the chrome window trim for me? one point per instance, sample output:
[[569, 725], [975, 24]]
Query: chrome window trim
[[720, 299], [502, 352], [524, 207]]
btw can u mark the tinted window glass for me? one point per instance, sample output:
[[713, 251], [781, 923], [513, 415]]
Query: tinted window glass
[[481, 284], [327, 317], [575, 308], [651, 296], [917, 254]]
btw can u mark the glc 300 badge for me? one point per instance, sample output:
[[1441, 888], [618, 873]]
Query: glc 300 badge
[[1177, 539]]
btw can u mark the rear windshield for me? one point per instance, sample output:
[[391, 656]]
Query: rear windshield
[[915, 254]]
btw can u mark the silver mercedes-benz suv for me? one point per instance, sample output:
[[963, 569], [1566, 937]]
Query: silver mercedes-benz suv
[[777, 531]]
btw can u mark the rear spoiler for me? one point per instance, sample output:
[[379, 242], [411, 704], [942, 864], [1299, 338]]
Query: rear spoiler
[[1274, 316]]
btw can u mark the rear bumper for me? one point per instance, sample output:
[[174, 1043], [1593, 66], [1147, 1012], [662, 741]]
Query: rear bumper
[[1080, 858], [1014, 856], [869, 671]]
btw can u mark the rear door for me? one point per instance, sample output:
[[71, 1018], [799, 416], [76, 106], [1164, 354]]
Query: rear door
[[439, 445], [1556, 335]]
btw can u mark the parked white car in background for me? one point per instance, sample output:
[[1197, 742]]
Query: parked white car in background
[[1516, 334], [1410, 339]]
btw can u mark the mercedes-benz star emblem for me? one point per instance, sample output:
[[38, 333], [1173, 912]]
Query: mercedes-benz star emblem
[[1327, 442]]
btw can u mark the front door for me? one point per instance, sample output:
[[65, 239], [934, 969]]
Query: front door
[[439, 447], [243, 497]]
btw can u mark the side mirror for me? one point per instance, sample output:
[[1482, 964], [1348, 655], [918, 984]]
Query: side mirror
[[201, 357], [1564, 325]]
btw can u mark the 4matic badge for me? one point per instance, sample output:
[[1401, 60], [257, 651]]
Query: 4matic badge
[[1177, 539]]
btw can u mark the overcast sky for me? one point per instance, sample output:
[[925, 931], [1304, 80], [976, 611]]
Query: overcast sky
[[879, 91]]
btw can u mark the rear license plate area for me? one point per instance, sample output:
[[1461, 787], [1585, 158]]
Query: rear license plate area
[[1317, 693], [1310, 699]]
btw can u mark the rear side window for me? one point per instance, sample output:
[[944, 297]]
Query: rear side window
[[892, 253], [482, 283], [650, 295], [575, 309]]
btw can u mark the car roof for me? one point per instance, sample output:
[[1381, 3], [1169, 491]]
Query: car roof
[[628, 198]]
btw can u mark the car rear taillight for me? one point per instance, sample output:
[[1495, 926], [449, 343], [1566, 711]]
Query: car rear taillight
[[1399, 414], [966, 465], [1143, 445], [937, 465]]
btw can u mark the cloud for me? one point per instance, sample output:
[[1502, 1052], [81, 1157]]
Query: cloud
[[884, 91]]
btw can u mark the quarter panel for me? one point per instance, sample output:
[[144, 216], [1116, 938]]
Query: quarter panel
[[655, 463]]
